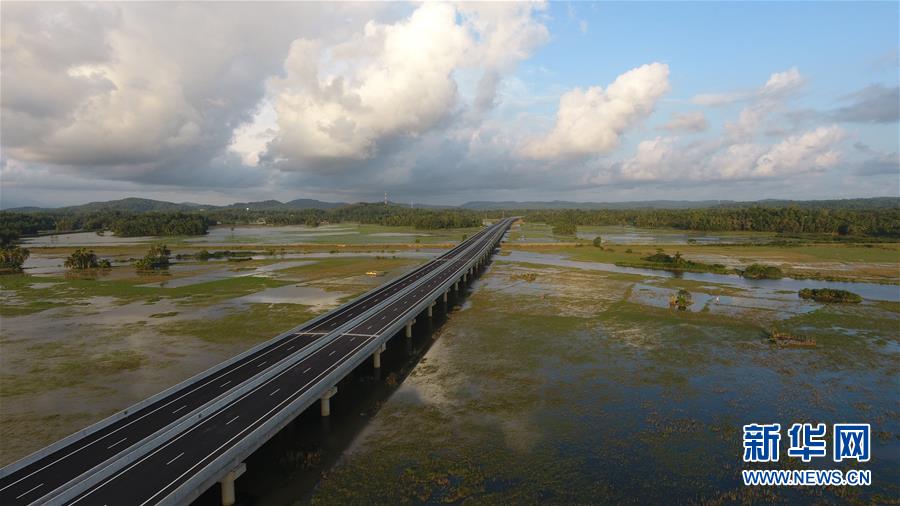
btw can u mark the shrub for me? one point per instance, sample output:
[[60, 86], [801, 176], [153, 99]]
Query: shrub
[[157, 257], [82, 259], [597, 242], [761, 271], [830, 295], [12, 258]]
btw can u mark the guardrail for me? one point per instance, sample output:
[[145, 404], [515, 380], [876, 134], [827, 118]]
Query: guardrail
[[90, 478], [222, 465]]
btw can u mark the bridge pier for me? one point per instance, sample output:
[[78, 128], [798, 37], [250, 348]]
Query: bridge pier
[[227, 484], [376, 357], [445, 296], [409, 325], [431, 309], [456, 286], [326, 400]]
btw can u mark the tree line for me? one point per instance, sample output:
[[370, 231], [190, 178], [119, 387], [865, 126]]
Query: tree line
[[787, 220], [161, 223]]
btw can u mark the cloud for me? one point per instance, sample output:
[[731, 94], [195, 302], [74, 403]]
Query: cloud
[[778, 86], [687, 122], [591, 121], [781, 83], [811, 150], [877, 162], [349, 101], [872, 104], [143, 92], [665, 159]]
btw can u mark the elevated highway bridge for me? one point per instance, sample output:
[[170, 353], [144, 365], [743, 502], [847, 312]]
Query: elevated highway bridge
[[170, 448]]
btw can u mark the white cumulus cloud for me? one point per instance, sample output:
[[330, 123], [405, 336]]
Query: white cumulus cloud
[[591, 121]]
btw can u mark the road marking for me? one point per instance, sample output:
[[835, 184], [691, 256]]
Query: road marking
[[274, 392], [117, 442], [307, 370], [176, 458], [233, 419], [223, 384], [179, 409], [261, 363], [30, 491], [332, 353], [291, 348]]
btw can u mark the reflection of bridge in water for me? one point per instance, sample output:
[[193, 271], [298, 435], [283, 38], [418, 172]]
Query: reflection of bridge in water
[[173, 446]]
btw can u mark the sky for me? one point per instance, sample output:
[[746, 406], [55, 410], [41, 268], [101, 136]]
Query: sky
[[444, 103]]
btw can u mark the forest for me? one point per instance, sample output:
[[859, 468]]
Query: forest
[[882, 223], [786, 220]]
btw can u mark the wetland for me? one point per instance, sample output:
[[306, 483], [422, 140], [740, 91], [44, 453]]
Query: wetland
[[563, 376]]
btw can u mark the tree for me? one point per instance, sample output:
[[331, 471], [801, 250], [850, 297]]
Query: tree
[[683, 299], [82, 259], [598, 242], [12, 257], [157, 257]]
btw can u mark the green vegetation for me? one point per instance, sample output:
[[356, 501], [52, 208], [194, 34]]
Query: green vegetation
[[683, 299], [11, 258], [257, 323], [661, 260], [786, 339], [164, 224], [830, 295], [598, 243], [156, 258], [565, 228], [762, 271], [82, 259], [785, 220]]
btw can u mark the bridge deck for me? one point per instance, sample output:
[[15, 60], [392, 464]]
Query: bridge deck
[[177, 460]]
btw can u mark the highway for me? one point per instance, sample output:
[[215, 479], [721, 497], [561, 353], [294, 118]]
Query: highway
[[98, 449]]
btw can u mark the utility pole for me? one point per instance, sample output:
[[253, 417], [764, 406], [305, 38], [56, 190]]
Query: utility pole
[[385, 198]]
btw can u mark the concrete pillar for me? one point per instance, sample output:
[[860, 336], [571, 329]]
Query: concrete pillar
[[376, 356], [326, 401], [465, 275], [227, 483], [431, 309], [456, 286], [409, 325], [445, 296]]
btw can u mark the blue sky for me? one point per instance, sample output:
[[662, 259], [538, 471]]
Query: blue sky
[[446, 103], [714, 46]]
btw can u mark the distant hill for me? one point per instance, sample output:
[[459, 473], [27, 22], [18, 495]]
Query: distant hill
[[858, 204], [268, 205], [134, 205], [139, 205], [563, 204]]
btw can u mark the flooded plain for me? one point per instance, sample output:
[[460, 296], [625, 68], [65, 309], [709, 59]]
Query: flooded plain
[[578, 386], [559, 379]]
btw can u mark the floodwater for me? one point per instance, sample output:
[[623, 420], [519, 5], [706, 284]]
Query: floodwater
[[86, 239], [227, 274], [570, 397], [270, 234], [871, 291], [49, 265], [315, 297], [631, 235]]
